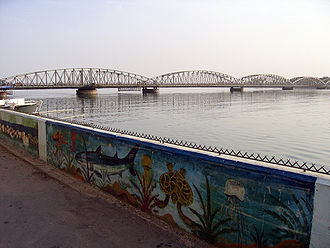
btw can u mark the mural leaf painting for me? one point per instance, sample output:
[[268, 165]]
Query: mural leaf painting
[[207, 229], [87, 170], [146, 200], [69, 155], [295, 218], [68, 161], [259, 238], [103, 178]]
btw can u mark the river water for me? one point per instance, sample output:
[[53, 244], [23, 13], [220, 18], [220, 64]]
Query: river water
[[285, 124]]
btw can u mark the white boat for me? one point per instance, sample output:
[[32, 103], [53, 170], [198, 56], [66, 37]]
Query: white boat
[[21, 105]]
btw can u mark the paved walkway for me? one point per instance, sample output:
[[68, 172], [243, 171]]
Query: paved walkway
[[43, 207]]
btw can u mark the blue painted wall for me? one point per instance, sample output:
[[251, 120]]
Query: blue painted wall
[[228, 203]]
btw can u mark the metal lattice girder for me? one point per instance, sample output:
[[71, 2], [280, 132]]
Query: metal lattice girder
[[77, 77], [265, 80], [195, 78], [309, 82]]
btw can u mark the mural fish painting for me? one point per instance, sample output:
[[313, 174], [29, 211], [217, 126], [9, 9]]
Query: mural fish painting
[[112, 165]]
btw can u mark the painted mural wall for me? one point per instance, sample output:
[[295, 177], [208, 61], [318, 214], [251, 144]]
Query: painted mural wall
[[226, 203], [20, 130]]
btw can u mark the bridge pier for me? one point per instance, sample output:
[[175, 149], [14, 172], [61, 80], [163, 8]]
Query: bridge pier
[[236, 89], [86, 91], [287, 88], [146, 90]]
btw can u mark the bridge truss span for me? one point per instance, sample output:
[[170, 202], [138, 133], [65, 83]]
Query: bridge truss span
[[75, 77], [108, 78], [308, 82], [265, 80], [198, 78]]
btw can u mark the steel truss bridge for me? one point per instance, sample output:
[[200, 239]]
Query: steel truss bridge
[[107, 78]]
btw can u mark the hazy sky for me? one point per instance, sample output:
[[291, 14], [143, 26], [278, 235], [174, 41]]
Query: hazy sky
[[236, 37]]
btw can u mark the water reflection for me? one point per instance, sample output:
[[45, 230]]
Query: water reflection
[[124, 102]]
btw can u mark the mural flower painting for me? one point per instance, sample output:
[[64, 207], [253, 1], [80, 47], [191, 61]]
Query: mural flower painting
[[60, 141], [146, 200]]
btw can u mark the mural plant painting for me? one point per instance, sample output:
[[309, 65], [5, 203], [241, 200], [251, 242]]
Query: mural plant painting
[[103, 178], [146, 200], [296, 219], [69, 155], [61, 145], [207, 229], [86, 169], [222, 204], [258, 238]]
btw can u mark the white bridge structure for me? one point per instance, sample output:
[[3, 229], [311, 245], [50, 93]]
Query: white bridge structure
[[108, 78]]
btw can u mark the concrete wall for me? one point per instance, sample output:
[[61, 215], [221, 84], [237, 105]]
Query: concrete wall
[[320, 236], [20, 129], [222, 200]]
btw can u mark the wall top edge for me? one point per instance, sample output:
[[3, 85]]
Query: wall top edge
[[35, 117], [323, 181]]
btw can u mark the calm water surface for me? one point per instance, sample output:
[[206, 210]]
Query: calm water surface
[[287, 124]]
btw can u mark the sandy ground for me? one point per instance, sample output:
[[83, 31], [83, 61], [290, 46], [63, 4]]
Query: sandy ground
[[41, 206]]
